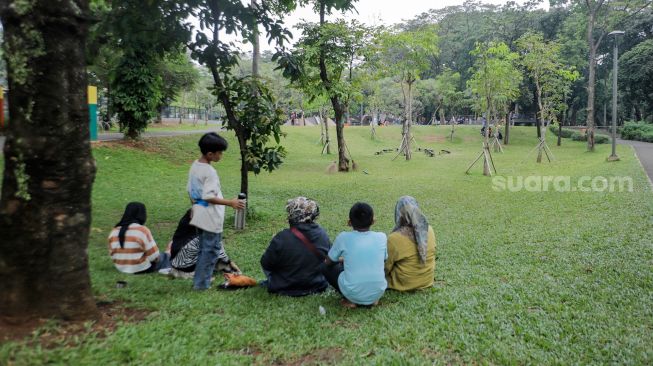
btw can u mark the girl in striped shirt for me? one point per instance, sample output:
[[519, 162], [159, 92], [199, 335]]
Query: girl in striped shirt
[[131, 245]]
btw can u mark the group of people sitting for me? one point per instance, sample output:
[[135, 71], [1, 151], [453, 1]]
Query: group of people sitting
[[300, 260]]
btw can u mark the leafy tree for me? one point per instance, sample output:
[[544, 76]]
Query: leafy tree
[[405, 56], [636, 77], [324, 59], [452, 98], [541, 60], [495, 81], [45, 207], [177, 74], [145, 32], [602, 16], [249, 106]]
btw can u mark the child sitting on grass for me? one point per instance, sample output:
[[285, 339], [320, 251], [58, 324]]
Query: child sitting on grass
[[131, 245], [361, 280]]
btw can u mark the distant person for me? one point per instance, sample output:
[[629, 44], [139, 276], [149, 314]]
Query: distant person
[[131, 245], [294, 259], [185, 249], [208, 206], [411, 249], [354, 265]]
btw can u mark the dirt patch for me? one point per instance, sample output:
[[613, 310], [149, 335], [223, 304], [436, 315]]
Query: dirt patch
[[49, 333], [147, 145], [316, 357], [435, 138]]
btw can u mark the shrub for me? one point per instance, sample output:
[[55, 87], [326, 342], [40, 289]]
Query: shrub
[[598, 139], [640, 131], [566, 133]]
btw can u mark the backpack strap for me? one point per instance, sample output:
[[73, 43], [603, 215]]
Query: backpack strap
[[307, 243]]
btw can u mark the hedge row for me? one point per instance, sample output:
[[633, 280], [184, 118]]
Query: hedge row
[[639, 131], [578, 136]]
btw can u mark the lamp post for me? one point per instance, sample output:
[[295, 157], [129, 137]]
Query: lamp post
[[613, 156]]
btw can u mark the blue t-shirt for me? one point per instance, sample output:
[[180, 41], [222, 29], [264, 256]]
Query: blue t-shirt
[[363, 280]]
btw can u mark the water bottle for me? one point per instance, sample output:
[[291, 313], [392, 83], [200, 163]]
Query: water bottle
[[239, 219]]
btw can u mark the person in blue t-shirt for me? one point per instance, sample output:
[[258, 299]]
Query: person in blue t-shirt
[[355, 263]]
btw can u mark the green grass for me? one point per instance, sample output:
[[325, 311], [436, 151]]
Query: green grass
[[521, 277]]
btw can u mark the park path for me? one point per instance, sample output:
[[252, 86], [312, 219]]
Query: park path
[[114, 136], [644, 151]]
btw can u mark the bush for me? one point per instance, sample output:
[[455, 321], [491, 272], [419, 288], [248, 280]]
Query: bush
[[639, 131], [598, 139], [566, 133]]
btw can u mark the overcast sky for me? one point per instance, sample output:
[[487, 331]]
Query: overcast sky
[[376, 12]]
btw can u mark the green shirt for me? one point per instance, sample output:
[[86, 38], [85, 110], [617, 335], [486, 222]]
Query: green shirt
[[403, 269]]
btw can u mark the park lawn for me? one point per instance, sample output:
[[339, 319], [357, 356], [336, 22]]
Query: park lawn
[[521, 277]]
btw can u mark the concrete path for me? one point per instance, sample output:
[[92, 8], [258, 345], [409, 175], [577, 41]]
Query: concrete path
[[113, 136], [644, 151]]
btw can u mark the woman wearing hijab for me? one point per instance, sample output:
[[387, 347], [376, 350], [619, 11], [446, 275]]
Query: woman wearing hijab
[[293, 260], [411, 249], [184, 249], [131, 245]]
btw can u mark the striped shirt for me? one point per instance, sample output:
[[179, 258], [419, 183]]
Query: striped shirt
[[138, 251]]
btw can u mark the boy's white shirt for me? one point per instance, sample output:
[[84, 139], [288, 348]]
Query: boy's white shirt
[[204, 181]]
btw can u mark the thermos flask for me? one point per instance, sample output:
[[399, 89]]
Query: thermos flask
[[239, 219]]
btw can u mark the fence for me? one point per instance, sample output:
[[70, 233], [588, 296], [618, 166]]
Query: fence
[[186, 113]]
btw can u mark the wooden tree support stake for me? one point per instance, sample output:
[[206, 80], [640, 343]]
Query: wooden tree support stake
[[488, 162]]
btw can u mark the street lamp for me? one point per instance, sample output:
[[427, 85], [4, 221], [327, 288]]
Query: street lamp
[[613, 156]]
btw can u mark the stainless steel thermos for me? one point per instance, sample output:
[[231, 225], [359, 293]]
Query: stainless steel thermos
[[239, 219]]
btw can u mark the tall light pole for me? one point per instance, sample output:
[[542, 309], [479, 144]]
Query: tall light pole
[[613, 156]]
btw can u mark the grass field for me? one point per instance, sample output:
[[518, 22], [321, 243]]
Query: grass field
[[521, 277]]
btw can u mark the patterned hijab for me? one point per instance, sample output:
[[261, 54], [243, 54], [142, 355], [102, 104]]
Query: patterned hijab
[[411, 222], [302, 210]]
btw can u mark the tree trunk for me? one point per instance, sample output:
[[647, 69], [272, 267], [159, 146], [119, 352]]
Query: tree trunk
[[605, 115], [591, 79], [244, 168], [538, 113], [343, 163], [326, 131], [256, 48], [45, 207], [559, 134], [506, 138], [409, 118]]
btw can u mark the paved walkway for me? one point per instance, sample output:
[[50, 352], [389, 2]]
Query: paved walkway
[[644, 151], [113, 136]]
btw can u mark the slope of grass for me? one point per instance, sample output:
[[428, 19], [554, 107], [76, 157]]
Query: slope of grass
[[521, 277]]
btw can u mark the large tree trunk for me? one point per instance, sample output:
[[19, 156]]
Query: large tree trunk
[[45, 209]]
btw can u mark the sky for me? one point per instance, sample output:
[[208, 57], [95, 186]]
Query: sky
[[377, 12]]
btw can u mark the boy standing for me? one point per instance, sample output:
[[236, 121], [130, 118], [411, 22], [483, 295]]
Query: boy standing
[[362, 278], [208, 206]]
